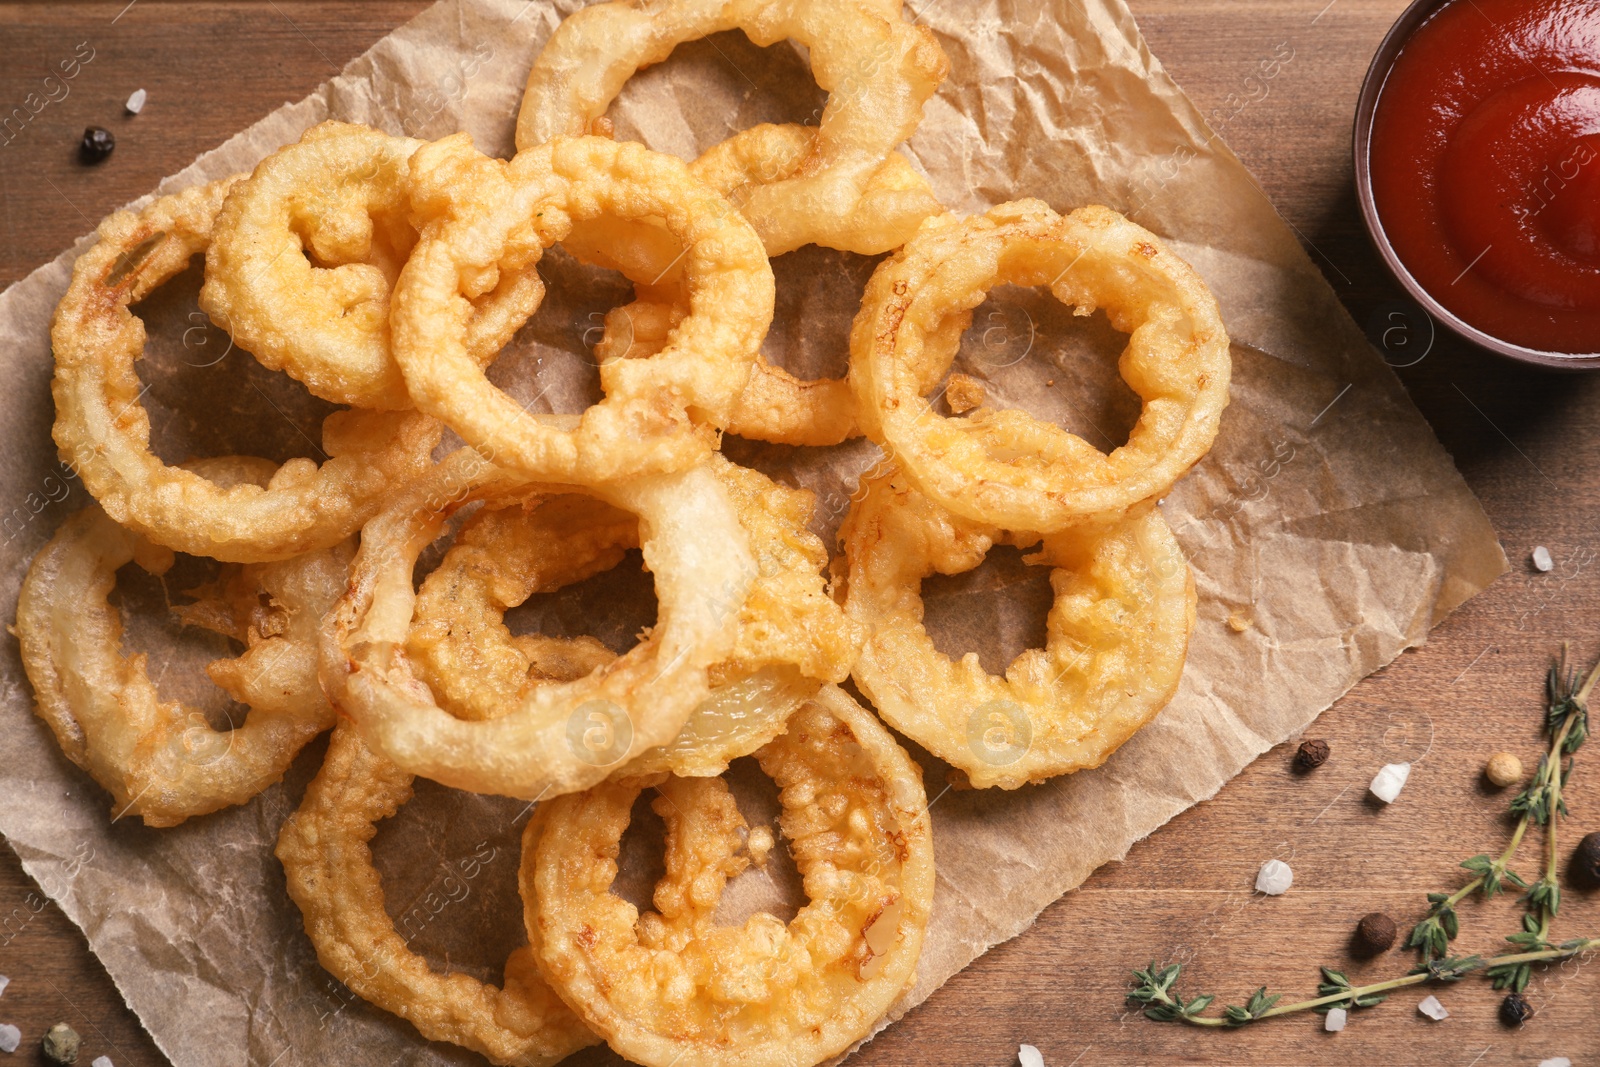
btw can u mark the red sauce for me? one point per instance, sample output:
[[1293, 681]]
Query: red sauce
[[1485, 162]]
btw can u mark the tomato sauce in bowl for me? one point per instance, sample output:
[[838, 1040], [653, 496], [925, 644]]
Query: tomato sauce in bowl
[[1483, 167]]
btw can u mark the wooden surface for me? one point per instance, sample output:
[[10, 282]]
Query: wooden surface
[[1529, 444]]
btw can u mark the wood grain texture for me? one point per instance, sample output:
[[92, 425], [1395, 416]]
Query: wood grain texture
[[1528, 442]]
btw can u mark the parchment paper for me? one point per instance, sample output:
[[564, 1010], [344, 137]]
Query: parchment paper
[[1327, 521]]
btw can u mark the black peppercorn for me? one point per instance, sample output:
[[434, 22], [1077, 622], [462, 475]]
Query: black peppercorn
[[1515, 1010], [1312, 754], [96, 145], [1375, 933], [1586, 862], [60, 1045]]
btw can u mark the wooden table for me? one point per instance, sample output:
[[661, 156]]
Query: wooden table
[[1529, 444]]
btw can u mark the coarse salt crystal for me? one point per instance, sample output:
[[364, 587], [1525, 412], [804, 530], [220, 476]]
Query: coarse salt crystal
[[1386, 785], [1335, 1020], [10, 1038], [4, 981], [1029, 1056], [102, 1061], [1557, 1061], [1274, 878], [135, 102], [1431, 1007], [1542, 560]]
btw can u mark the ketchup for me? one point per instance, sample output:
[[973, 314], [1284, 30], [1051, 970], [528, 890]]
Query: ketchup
[[1485, 162]]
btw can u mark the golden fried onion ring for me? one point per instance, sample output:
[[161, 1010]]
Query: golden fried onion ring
[[1005, 467], [560, 736], [340, 193], [775, 405], [678, 989], [327, 861], [103, 430], [160, 759], [1118, 634], [792, 635], [486, 217], [459, 644], [878, 70]]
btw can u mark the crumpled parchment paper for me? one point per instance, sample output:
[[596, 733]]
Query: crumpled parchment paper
[[1327, 523]]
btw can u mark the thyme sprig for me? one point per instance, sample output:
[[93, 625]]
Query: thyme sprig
[[1567, 723], [1542, 803]]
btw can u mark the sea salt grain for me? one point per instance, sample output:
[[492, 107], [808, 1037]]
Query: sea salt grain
[[1029, 1056], [1559, 1061], [1335, 1020], [102, 1061], [1431, 1007], [10, 1038], [1542, 560], [1274, 878], [1387, 784], [4, 981], [135, 102]]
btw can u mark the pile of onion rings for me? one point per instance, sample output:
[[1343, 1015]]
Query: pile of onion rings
[[374, 592]]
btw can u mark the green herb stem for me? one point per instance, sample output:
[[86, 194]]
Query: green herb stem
[[1459, 895], [1348, 995], [1581, 697], [1161, 997], [1419, 978], [1500, 865], [1355, 991]]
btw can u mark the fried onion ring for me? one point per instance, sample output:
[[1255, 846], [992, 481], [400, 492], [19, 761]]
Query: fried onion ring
[[327, 861], [878, 69], [674, 988], [486, 216], [342, 194], [1005, 467], [551, 741], [775, 405], [792, 635], [1118, 635], [104, 432], [160, 759]]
